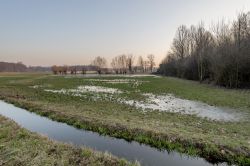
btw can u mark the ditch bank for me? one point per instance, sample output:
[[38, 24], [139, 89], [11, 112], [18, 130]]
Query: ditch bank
[[165, 143]]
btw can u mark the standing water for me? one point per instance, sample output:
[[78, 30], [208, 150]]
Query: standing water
[[131, 151]]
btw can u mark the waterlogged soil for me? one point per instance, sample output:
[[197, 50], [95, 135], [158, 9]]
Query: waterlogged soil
[[132, 151], [152, 102], [170, 103]]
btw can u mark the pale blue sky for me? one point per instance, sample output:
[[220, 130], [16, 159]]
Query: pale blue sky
[[47, 32]]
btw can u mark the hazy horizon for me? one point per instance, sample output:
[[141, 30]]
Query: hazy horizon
[[59, 32]]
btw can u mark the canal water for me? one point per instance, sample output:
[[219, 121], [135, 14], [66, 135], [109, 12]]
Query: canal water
[[131, 151]]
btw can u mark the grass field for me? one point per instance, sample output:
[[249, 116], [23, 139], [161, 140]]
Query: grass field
[[21, 147], [82, 102]]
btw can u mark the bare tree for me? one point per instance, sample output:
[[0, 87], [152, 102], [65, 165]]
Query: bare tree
[[59, 69], [130, 62], [122, 60], [223, 51], [222, 56], [140, 63], [151, 61], [202, 39], [54, 69], [181, 42], [145, 64], [84, 70], [100, 63], [115, 64], [240, 32], [65, 69], [122, 63], [73, 70]]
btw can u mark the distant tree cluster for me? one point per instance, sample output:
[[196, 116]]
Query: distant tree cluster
[[221, 55], [124, 64], [12, 67], [63, 70], [39, 69], [100, 63], [20, 67], [59, 69]]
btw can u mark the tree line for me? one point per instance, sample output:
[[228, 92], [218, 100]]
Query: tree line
[[122, 64], [20, 67], [72, 69], [220, 55], [12, 67]]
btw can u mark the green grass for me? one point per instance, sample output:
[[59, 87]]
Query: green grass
[[21, 147], [213, 140], [201, 92]]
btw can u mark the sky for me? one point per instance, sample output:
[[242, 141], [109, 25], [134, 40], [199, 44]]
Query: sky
[[69, 32]]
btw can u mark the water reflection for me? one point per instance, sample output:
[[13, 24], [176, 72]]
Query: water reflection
[[132, 151]]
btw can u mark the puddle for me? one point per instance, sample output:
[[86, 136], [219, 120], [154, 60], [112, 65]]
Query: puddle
[[98, 89], [83, 89]]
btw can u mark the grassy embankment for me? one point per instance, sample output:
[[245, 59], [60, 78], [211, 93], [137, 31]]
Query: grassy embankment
[[21, 147], [213, 140]]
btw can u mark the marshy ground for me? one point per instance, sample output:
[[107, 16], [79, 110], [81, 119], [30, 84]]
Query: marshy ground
[[164, 112]]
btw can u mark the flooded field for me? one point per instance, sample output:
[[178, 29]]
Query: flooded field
[[152, 102]]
